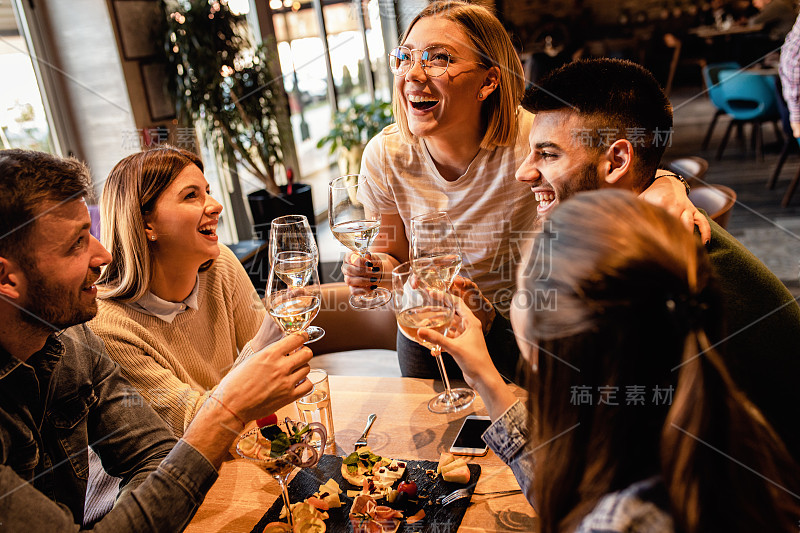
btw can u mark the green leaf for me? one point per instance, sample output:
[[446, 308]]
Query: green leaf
[[351, 459], [279, 445]]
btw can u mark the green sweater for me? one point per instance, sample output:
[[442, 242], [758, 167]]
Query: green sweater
[[761, 342]]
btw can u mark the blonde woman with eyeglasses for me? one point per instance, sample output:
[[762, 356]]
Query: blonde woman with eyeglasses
[[458, 139]]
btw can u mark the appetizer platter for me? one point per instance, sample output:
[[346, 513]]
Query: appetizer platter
[[367, 493]]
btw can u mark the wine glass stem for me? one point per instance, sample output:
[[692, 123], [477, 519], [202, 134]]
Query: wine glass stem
[[437, 354], [285, 495]]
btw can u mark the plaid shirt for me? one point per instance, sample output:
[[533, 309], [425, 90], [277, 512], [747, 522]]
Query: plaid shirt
[[790, 71]]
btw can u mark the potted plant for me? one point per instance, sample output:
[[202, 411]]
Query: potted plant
[[219, 77], [352, 128]]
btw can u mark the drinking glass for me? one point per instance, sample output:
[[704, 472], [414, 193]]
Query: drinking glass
[[290, 236], [316, 405], [293, 294], [291, 233], [300, 455], [354, 228], [435, 252], [418, 304]]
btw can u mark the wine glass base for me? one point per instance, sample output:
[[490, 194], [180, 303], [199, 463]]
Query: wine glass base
[[376, 298], [315, 333], [457, 400]]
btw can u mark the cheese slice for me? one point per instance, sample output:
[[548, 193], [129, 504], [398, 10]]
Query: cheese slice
[[386, 475], [458, 463], [444, 459], [457, 475]]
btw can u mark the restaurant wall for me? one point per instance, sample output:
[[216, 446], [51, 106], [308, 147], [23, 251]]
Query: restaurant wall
[[87, 68]]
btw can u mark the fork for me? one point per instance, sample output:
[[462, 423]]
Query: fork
[[464, 493], [362, 440]]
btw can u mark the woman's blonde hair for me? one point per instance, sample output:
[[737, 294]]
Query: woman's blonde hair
[[130, 192], [493, 46]]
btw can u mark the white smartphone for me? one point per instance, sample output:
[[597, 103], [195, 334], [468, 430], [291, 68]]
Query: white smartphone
[[468, 441]]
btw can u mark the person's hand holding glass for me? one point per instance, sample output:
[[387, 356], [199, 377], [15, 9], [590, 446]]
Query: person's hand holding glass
[[355, 228]]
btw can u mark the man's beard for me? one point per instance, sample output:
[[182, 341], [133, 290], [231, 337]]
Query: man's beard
[[588, 179], [53, 308]]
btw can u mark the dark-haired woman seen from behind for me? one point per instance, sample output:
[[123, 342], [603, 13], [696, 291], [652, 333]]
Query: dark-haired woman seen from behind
[[636, 423]]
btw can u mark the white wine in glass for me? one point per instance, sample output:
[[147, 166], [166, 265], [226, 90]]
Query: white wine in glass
[[421, 305], [291, 238], [355, 228], [357, 235], [294, 268], [292, 306]]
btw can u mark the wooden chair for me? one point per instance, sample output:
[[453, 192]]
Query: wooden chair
[[716, 200], [356, 342]]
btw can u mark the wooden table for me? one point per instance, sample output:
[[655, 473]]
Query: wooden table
[[405, 429]]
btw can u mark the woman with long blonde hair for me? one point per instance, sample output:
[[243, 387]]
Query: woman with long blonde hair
[[176, 308], [458, 139]]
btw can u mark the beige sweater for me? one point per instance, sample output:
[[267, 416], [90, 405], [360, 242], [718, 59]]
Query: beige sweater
[[175, 366]]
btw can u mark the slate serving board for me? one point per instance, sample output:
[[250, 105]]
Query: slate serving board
[[437, 518]]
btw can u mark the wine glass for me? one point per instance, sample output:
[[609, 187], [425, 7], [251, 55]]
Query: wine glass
[[292, 238], [252, 447], [435, 253], [418, 304], [291, 233], [293, 294], [353, 227]]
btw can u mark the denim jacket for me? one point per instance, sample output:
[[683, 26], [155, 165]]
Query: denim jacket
[[70, 396], [507, 437], [640, 508]]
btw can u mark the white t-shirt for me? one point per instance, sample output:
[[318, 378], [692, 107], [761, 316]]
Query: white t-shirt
[[492, 212]]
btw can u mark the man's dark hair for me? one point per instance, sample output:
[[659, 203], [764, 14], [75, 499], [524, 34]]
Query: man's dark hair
[[28, 179], [617, 100]]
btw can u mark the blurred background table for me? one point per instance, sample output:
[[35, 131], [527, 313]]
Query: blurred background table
[[710, 32], [404, 429]]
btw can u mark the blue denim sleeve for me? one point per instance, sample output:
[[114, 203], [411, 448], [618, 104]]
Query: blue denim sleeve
[[125, 432], [508, 437], [165, 501], [163, 482]]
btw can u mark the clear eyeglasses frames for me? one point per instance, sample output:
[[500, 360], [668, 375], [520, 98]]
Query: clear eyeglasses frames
[[434, 60]]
